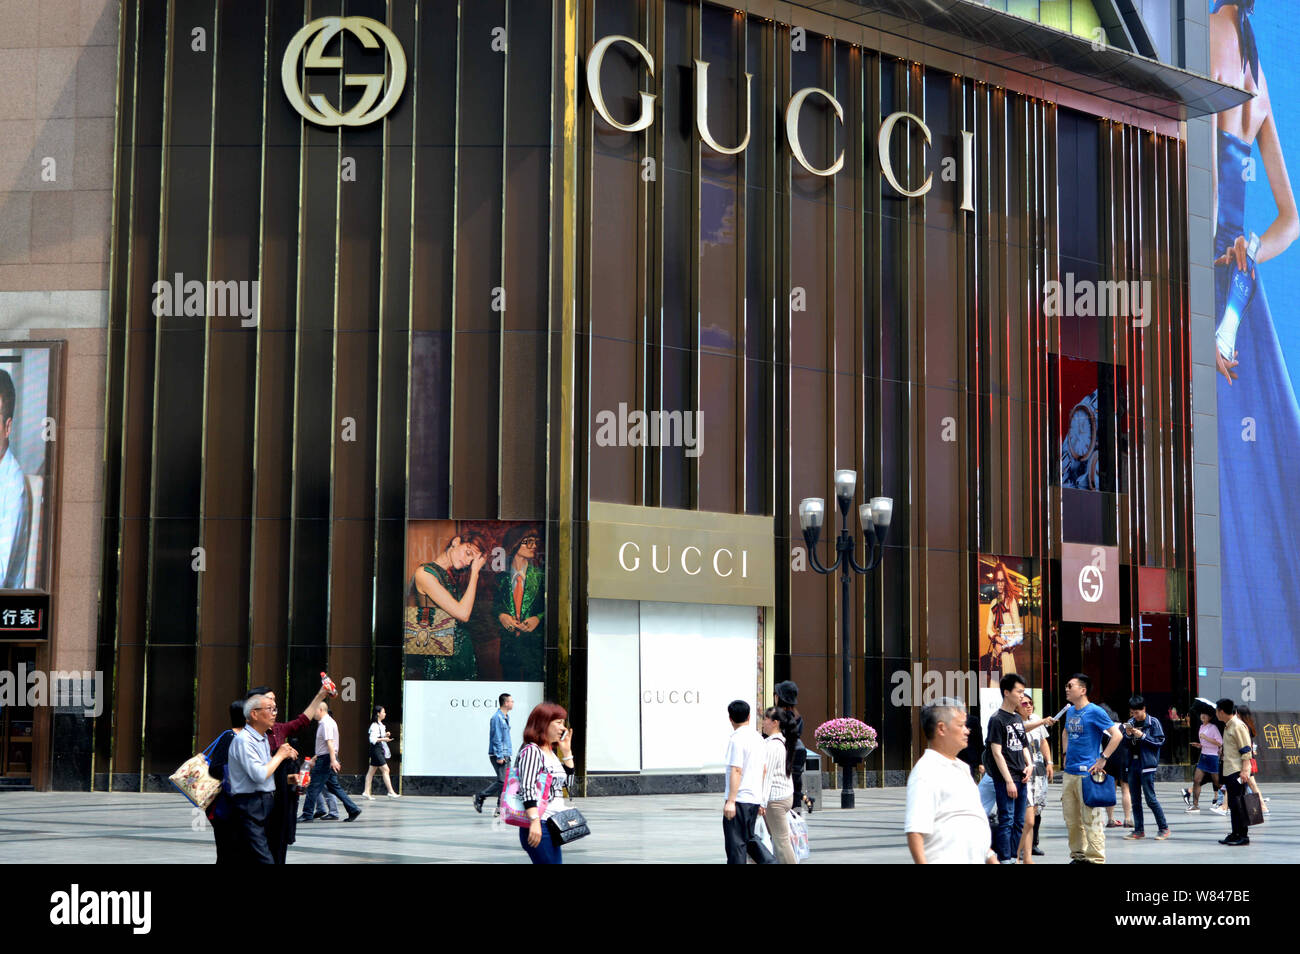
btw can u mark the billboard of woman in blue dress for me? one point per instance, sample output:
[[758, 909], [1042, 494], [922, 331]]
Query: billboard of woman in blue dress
[[1259, 420]]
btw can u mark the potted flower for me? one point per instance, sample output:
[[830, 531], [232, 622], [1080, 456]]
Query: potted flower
[[848, 742]]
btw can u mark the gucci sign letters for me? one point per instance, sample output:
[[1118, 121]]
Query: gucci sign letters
[[646, 118], [679, 556]]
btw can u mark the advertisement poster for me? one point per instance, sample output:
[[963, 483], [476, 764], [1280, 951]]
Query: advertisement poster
[[1257, 334], [475, 626], [1278, 745], [1010, 597], [1091, 415], [27, 447]]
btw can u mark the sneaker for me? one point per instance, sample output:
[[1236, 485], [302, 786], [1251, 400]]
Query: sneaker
[[478, 804], [1218, 809], [321, 814], [1234, 841], [1266, 811], [1163, 835], [352, 816], [1187, 797], [1039, 852], [394, 795], [1134, 836], [303, 819], [1193, 810], [331, 817]]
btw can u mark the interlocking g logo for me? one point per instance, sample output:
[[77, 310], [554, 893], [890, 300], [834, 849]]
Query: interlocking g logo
[[319, 33]]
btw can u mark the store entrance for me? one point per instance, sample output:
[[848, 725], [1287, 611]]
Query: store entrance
[[16, 721]]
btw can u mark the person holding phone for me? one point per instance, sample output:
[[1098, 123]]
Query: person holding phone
[[544, 768]]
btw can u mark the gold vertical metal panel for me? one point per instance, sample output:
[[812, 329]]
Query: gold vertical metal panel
[[128, 23], [207, 368], [257, 360], [153, 467], [563, 450], [455, 263], [501, 321]]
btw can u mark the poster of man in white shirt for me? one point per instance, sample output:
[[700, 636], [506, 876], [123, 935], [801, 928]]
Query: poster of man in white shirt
[[26, 436], [15, 499]]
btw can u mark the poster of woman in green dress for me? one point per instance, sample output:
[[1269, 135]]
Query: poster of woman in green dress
[[475, 604]]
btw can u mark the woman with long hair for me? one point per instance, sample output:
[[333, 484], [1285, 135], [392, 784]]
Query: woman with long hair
[[1256, 489], [1003, 622], [544, 767], [787, 696], [379, 739], [437, 644], [778, 788]]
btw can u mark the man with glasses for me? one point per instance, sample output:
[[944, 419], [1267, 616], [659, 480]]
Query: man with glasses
[[252, 769], [281, 827]]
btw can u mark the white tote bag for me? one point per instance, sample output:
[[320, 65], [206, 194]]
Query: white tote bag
[[798, 835]]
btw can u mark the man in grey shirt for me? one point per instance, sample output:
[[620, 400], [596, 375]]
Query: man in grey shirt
[[251, 770]]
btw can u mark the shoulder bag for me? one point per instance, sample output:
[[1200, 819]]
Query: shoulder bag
[[193, 781], [512, 799]]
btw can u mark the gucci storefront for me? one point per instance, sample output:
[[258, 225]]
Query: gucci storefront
[[467, 347]]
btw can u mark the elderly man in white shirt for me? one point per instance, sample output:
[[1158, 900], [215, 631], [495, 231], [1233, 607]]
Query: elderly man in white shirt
[[15, 499], [251, 770], [945, 822]]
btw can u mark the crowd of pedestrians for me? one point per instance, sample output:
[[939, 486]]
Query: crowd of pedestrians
[[1102, 759]]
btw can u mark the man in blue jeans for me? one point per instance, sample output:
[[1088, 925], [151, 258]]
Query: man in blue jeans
[[1006, 761], [499, 750], [1143, 736]]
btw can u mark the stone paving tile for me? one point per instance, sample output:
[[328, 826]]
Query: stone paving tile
[[99, 828]]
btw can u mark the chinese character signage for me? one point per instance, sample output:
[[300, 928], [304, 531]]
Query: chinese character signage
[[24, 617], [1278, 745]]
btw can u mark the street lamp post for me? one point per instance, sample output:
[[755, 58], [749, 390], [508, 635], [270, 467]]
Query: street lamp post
[[874, 517]]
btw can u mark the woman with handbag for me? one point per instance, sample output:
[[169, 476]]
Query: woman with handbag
[[544, 766], [379, 754], [778, 788], [437, 644]]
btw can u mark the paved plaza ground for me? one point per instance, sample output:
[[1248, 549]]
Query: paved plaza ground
[[100, 828]]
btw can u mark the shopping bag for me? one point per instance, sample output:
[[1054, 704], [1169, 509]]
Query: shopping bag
[[1254, 808], [193, 781], [762, 834], [512, 801], [798, 836]]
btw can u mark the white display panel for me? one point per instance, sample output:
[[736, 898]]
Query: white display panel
[[695, 660], [614, 686], [444, 728]]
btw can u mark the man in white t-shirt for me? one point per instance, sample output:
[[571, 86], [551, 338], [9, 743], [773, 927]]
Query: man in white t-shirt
[[744, 802], [945, 822], [324, 772]]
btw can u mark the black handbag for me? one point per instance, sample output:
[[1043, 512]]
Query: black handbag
[[567, 826]]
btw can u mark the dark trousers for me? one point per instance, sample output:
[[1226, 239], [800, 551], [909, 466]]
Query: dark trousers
[[1237, 806], [324, 778], [495, 788], [1142, 783], [546, 852], [1011, 818], [249, 823], [738, 836], [796, 776], [225, 831]]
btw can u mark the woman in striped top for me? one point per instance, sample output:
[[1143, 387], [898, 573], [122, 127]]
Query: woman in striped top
[[778, 789], [546, 758]]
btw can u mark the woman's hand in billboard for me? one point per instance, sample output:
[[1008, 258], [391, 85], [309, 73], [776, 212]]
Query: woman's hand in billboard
[[1235, 255], [507, 621], [530, 624], [1226, 367], [477, 564]]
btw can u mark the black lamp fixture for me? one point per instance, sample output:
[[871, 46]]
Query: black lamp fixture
[[874, 516]]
